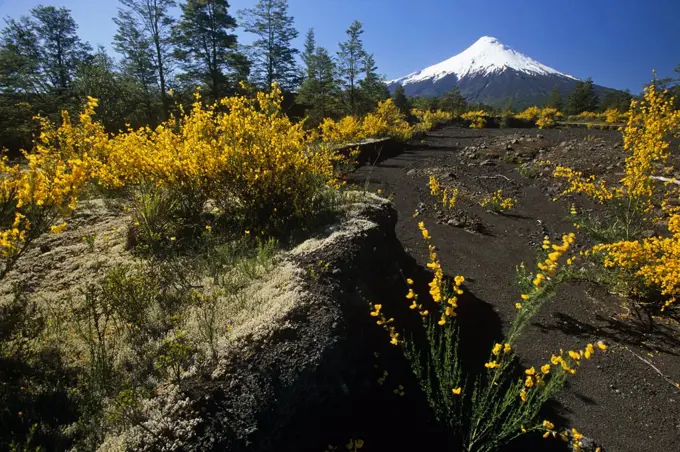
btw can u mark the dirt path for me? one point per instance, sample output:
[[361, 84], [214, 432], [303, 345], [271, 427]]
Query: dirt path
[[619, 399]]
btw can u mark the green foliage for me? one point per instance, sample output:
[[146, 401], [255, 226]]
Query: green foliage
[[617, 100], [401, 101], [207, 47], [372, 87], [453, 102], [272, 53], [582, 98], [174, 355], [121, 99], [350, 56], [320, 90], [555, 100], [145, 39]]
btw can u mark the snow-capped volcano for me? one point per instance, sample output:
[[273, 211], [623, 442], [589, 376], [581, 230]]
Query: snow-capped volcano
[[490, 72], [486, 56]]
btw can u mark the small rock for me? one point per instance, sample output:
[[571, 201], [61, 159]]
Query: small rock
[[336, 271], [508, 147], [411, 172], [647, 233], [540, 135], [487, 162]]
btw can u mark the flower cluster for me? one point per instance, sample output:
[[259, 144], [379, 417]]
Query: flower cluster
[[590, 186], [385, 121], [544, 118], [428, 120], [35, 194], [446, 295], [447, 196], [477, 118], [497, 202], [653, 261]]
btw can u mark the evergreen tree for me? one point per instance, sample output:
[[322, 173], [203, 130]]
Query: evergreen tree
[[400, 100], [555, 99], [207, 46], [453, 102], [350, 57], [618, 100], [149, 25], [372, 88], [582, 98], [272, 53], [320, 90], [309, 53]]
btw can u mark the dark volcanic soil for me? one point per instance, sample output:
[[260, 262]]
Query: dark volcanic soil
[[620, 398]]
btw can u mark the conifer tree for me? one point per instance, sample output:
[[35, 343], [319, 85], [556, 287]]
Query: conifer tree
[[309, 53], [582, 98], [320, 90], [350, 58], [453, 101], [372, 88], [400, 100], [555, 99], [272, 54], [207, 47]]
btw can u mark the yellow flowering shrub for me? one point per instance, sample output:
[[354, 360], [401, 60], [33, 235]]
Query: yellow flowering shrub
[[497, 202], [46, 187], [530, 114], [428, 120], [246, 155], [477, 118], [653, 261], [613, 116], [485, 410], [346, 130], [447, 196], [544, 118], [385, 121]]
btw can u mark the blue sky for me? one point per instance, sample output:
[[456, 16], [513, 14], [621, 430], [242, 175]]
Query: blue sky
[[616, 42]]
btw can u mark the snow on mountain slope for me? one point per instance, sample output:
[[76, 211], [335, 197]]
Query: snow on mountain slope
[[487, 56]]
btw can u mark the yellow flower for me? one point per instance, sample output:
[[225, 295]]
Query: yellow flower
[[58, 229], [545, 369], [525, 297], [549, 425], [411, 294], [518, 305], [492, 365], [442, 321], [409, 281], [546, 434], [377, 308], [530, 371], [459, 280], [497, 349], [523, 395], [601, 345], [529, 382], [457, 391], [574, 355], [507, 348]]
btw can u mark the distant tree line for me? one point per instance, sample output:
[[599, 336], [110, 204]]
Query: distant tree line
[[163, 56], [582, 98]]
